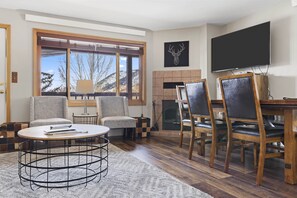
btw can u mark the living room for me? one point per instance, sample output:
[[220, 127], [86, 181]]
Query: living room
[[26, 23]]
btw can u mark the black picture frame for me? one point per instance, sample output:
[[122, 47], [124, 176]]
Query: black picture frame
[[176, 54]]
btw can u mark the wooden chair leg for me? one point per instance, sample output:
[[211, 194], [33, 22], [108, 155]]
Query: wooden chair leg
[[255, 154], [261, 163], [202, 146], [181, 136], [242, 151], [199, 148], [228, 154], [191, 145], [213, 150]]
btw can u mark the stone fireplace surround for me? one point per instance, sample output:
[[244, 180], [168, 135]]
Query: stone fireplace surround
[[159, 93]]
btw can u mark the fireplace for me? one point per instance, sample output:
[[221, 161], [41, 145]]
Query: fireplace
[[164, 90], [170, 115]]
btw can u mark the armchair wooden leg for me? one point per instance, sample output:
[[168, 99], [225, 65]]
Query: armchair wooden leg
[[261, 163], [125, 132], [133, 131]]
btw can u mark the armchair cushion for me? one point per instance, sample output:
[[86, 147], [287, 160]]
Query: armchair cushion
[[115, 122], [50, 121]]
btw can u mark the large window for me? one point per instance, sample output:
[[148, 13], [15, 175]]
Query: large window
[[116, 67]]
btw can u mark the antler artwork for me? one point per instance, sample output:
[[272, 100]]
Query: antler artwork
[[176, 55]]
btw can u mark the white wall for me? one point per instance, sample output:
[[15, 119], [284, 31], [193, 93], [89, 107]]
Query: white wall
[[22, 60], [212, 31], [283, 70], [188, 34]]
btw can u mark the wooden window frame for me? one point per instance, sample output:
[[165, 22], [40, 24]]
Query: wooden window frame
[[7, 28], [89, 38]]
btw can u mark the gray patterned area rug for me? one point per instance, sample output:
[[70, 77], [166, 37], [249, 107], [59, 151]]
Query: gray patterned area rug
[[127, 177]]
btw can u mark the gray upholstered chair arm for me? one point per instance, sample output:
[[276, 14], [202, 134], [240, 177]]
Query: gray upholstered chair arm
[[65, 105], [125, 103], [99, 107], [32, 109]]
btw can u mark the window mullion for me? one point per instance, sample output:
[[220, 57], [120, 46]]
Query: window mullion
[[117, 73], [129, 72], [68, 72], [142, 79], [37, 89]]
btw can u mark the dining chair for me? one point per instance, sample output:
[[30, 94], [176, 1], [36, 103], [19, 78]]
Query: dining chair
[[200, 110], [185, 121], [241, 103]]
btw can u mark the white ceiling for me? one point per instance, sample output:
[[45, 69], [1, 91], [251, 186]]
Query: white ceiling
[[146, 14]]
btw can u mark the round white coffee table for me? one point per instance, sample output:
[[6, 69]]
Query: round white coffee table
[[63, 157]]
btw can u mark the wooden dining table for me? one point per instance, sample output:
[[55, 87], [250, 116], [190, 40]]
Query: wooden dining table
[[288, 109]]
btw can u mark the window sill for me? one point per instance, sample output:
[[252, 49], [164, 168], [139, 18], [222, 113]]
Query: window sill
[[92, 103]]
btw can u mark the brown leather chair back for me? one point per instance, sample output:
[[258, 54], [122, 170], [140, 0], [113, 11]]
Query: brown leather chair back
[[198, 100], [239, 97]]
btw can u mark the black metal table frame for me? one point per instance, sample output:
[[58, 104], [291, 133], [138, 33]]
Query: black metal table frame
[[35, 161]]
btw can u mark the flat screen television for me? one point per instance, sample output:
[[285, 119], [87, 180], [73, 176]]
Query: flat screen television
[[244, 48]]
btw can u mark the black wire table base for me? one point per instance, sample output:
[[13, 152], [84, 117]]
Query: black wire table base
[[62, 163]]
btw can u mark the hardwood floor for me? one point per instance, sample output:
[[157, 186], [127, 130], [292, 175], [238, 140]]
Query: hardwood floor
[[164, 153]]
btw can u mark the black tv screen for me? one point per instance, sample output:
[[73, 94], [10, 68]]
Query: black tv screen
[[244, 48]]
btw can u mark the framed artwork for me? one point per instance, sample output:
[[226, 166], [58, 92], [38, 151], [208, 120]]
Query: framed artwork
[[176, 54]]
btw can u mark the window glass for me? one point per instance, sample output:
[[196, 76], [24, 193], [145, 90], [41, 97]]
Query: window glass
[[53, 72], [123, 76], [136, 78], [100, 68]]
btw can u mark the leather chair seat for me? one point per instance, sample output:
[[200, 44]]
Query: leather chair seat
[[188, 121], [220, 125], [277, 131]]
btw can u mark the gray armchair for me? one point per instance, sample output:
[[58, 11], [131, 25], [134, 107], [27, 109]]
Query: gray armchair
[[113, 113], [48, 110]]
